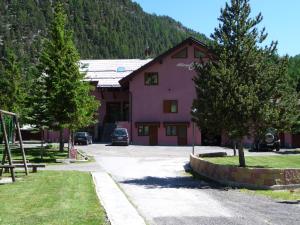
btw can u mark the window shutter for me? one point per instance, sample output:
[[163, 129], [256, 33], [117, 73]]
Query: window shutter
[[167, 106]]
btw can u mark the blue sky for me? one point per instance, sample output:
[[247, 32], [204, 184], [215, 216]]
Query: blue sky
[[281, 17]]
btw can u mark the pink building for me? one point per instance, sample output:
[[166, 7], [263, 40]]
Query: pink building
[[152, 98], [161, 96]]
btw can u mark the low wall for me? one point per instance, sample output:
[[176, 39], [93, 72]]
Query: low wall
[[256, 178]]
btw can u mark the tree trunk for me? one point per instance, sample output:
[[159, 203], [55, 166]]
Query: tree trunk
[[42, 143], [241, 154], [70, 143], [61, 140], [234, 148]]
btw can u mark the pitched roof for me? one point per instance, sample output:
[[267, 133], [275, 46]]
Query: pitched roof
[[189, 40], [108, 72]]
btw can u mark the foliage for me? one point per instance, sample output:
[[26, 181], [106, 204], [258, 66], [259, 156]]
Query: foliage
[[294, 72], [63, 198], [102, 29], [38, 114], [244, 88], [68, 100], [11, 88]]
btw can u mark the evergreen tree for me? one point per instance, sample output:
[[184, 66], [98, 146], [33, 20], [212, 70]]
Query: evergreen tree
[[68, 98], [38, 114], [294, 72], [11, 90], [244, 88]]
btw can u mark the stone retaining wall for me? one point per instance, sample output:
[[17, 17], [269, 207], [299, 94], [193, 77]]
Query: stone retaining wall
[[257, 178]]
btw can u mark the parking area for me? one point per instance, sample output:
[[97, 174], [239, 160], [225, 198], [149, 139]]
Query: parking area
[[166, 151], [155, 182]]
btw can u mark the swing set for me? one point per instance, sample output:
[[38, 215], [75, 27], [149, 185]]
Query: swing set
[[9, 123]]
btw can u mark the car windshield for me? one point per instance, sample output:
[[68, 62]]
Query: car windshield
[[120, 132], [80, 134]]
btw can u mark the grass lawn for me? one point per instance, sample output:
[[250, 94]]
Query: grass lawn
[[277, 194], [56, 198], [284, 161], [34, 154]]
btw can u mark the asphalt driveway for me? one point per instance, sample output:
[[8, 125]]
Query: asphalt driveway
[[155, 182]]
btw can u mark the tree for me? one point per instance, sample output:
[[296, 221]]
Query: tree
[[38, 114], [243, 88], [68, 97], [294, 72], [11, 91]]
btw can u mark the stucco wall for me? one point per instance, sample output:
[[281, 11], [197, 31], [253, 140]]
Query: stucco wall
[[260, 178], [108, 96], [175, 83]]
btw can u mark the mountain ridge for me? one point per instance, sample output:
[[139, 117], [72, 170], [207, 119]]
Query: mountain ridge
[[101, 28]]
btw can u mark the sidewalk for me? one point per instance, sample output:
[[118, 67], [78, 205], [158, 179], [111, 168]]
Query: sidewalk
[[119, 210]]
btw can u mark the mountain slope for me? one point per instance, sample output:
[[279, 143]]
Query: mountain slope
[[102, 28]]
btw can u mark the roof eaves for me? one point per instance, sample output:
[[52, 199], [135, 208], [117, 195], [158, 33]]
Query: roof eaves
[[190, 40]]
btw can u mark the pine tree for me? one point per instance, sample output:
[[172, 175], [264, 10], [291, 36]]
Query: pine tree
[[68, 97], [294, 72], [37, 112], [244, 88], [11, 90]]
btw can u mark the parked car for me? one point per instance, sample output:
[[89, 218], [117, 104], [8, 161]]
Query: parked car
[[120, 136], [268, 142], [83, 138]]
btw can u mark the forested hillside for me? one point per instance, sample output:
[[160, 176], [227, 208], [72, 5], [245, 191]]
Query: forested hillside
[[102, 28]]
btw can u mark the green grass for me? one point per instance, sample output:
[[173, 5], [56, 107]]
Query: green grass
[[286, 161], [34, 154], [288, 195], [56, 198]]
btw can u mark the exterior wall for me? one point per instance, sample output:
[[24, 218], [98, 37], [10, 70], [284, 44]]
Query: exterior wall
[[247, 141], [108, 96], [288, 140], [175, 83], [53, 136], [104, 96]]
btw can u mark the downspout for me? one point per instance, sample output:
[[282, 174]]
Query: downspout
[[131, 127]]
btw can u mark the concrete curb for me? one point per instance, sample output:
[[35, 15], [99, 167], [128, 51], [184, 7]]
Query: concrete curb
[[119, 210]]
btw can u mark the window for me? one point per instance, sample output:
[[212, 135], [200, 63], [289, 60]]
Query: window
[[170, 106], [143, 130], [151, 78], [182, 54], [198, 54], [171, 130]]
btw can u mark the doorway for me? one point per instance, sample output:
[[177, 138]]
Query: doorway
[[153, 135], [182, 135], [113, 112]]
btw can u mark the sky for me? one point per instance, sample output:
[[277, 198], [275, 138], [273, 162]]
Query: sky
[[281, 18]]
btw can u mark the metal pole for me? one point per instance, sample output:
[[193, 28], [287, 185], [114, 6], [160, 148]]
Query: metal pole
[[193, 138]]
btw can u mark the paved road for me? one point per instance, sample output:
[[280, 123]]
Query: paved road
[[154, 180]]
